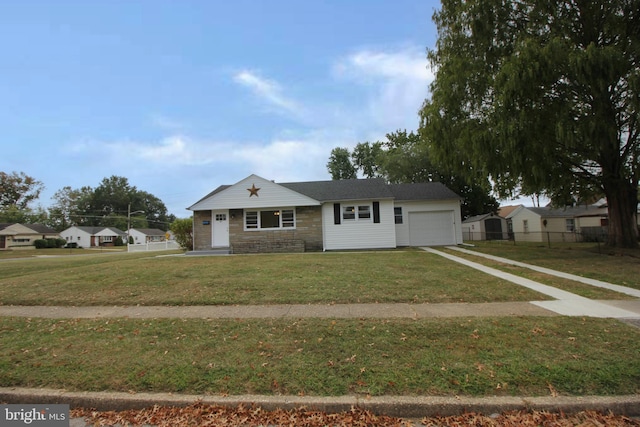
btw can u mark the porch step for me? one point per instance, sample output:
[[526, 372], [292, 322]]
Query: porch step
[[214, 251]]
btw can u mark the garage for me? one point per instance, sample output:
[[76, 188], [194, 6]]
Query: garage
[[431, 228]]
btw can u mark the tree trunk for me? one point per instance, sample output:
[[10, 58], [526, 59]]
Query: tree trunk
[[622, 199]]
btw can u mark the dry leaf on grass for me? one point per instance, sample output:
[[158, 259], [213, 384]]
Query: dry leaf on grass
[[207, 415]]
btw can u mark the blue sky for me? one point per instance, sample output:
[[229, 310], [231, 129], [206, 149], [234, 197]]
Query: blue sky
[[182, 96]]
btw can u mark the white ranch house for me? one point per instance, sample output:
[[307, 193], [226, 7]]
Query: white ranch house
[[89, 237], [259, 215], [142, 236]]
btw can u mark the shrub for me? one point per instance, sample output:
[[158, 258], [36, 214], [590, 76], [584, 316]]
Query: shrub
[[41, 244], [119, 241]]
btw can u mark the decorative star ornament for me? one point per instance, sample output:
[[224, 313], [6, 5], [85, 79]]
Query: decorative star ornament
[[253, 191]]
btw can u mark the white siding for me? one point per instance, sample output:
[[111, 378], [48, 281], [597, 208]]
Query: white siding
[[269, 195], [403, 237], [71, 235], [533, 233], [359, 234]]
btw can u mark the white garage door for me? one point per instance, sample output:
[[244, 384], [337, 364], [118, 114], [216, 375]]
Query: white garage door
[[431, 228]]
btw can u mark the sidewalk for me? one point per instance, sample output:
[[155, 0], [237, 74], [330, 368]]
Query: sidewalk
[[565, 303]]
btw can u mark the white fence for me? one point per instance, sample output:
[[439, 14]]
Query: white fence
[[154, 246]]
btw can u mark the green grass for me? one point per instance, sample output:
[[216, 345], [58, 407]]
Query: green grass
[[578, 288], [621, 267], [30, 253], [461, 356], [350, 277], [502, 356]]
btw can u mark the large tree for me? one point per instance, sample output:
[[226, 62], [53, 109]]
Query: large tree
[[70, 207], [339, 165], [404, 158], [542, 96], [18, 189], [109, 205]]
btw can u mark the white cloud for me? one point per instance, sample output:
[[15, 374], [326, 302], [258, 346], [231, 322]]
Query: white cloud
[[163, 122], [397, 83], [407, 65], [268, 90], [172, 150]]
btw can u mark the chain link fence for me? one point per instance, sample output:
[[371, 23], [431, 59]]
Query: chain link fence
[[585, 234]]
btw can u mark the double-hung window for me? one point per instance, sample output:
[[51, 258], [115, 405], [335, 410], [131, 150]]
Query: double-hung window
[[269, 219], [356, 212], [364, 212], [570, 225], [397, 215]]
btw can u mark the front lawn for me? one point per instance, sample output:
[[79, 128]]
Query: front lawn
[[314, 278], [620, 267], [462, 356]]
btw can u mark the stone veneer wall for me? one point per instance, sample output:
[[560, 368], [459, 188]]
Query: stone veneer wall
[[202, 233], [307, 236]]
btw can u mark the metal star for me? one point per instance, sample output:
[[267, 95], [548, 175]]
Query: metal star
[[253, 191]]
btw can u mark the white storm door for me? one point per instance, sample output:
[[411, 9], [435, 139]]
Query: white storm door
[[220, 238]]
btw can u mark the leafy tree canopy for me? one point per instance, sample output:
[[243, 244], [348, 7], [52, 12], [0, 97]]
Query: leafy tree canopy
[[340, 166], [108, 205], [543, 97], [18, 190], [404, 158]]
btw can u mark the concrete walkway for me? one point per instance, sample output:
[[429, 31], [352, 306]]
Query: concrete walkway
[[337, 311], [593, 282], [565, 303]]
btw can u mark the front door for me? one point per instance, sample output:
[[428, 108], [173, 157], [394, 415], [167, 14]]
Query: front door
[[220, 238]]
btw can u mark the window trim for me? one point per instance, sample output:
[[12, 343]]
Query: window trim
[[356, 214], [281, 213], [570, 225], [398, 218]]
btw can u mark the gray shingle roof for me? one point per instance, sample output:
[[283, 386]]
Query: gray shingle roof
[[150, 231], [422, 191], [40, 228], [569, 211], [346, 189], [360, 189], [96, 230]]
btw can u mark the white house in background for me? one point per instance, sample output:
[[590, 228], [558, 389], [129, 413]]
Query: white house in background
[[573, 223], [485, 227], [89, 237], [147, 235], [258, 215]]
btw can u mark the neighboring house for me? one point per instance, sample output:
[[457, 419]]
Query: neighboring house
[[89, 237], [147, 235], [485, 227], [508, 212], [16, 236], [573, 223], [258, 215]]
